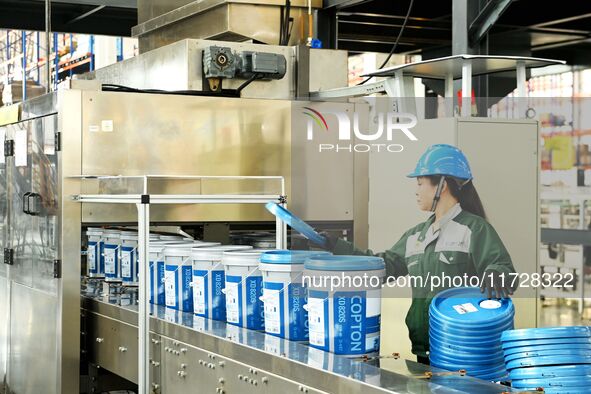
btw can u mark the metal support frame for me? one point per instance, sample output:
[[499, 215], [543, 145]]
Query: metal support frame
[[143, 207], [486, 19], [467, 87], [86, 14]]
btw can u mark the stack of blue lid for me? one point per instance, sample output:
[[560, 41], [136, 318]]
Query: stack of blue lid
[[465, 332], [557, 359]]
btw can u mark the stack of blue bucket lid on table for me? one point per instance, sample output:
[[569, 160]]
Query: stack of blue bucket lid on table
[[557, 359], [465, 332]]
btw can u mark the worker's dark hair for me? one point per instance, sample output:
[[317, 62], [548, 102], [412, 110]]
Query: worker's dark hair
[[465, 193]]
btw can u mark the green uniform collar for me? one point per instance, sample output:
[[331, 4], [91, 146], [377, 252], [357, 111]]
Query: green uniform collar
[[449, 215]]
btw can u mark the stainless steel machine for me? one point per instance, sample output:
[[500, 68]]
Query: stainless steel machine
[[52, 328]]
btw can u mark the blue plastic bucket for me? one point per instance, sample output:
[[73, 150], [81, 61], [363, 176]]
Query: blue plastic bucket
[[95, 261], [284, 295], [129, 258], [157, 275], [344, 318], [111, 246], [243, 289], [209, 279], [465, 332], [178, 277]]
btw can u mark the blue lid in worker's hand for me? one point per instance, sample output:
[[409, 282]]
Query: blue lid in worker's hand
[[296, 223], [290, 256], [344, 263]]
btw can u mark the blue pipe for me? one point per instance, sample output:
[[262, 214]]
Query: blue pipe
[[91, 52], [119, 49]]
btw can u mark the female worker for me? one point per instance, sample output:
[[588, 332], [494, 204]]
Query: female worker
[[456, 240]]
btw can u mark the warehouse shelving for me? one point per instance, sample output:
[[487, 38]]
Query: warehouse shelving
[[23, 56]]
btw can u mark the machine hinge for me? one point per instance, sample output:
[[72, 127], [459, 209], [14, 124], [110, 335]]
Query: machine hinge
[[8, 148], [57, 269], [8, 256], [58, 141]]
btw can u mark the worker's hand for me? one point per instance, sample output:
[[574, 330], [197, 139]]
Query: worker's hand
[[331, 241], [495, 284]]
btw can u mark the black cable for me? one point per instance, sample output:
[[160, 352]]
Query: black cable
[[108, 87], [286, 22], [247, 82], [395, 42]]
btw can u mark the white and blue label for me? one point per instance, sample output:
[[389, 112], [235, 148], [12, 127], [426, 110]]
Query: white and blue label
[[255, 313], [177, 287], [111, 261], [157, 283], [318, 319], [250, 312], [208, 299], [291, 322], [349, 321], [350, 325], [91, 255], [170, 286], [128, 264], [186, 294]]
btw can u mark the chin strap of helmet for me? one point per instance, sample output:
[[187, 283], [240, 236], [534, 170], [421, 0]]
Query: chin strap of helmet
[[437, 193]]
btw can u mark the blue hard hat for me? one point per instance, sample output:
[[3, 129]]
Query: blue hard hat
[[443, 159]]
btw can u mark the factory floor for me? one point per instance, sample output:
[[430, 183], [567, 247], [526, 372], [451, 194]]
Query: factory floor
[[564, 312]]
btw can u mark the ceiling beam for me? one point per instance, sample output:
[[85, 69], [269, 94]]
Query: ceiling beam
[[106, 3], [486, 19], [563, 20]]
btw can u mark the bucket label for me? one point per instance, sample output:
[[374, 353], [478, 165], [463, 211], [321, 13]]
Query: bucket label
[[126, 257], [91, 256], [200, 294], [273, 309], [255, 314], [218, 299], [160, 282], [186, 292], [350, 322], [232, 302], [318, 318], [110, 262], [169, 288], [298, 317], [465, 308]]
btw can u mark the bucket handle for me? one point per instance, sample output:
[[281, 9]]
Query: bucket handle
[[262, 298], [243, 279]]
